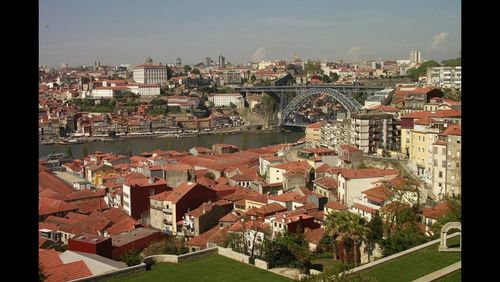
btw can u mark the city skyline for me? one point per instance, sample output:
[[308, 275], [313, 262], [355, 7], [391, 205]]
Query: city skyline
[[117, 32]]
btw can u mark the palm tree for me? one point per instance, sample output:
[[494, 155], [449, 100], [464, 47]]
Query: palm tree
[[332, 231], [357, 231]]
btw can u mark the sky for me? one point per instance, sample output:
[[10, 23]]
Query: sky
[[80, 32]]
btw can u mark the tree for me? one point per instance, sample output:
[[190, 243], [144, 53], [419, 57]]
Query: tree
[[187, 68], [131, 257], [376, 233], [313, 68], [157, 102], [253, 78], [85, 150], [415, 73], [338, 273], [452, 62], [169, 73], [209, 175], [69, 152], [453, 214], [334, 76], [244, 141], [325, 78], [196, 71]]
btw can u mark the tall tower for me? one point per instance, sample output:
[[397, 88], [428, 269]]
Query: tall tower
[[222, 61], [148, 61], [178, 62]]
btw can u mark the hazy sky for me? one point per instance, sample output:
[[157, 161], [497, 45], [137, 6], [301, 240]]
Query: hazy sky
[[121, 31]]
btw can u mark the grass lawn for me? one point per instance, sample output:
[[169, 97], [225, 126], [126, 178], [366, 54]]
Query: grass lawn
[[326, 263], [210, 268], [415, 265], [452, 277]]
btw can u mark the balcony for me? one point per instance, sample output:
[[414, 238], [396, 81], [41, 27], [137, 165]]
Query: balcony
[[167, 211]]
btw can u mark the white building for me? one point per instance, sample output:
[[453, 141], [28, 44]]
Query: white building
[[445, 77], [415, 57], [225, 100], [145, 89], [150, 74]]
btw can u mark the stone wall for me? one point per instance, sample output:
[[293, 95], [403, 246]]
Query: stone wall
[[197, 254], [160, 258], [228, 252], [261, 264], [118, 273]]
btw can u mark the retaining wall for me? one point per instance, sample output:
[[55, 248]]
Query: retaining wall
[[118, 273], [228, 252], [261, 264]]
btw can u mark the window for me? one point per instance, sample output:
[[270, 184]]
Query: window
[[440, 174], [443, 151], [444, 164], [435, 163], [458, 141], [151, 191], [435, 150]]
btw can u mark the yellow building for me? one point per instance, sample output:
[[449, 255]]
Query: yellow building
[[313, 133], [422, 137]]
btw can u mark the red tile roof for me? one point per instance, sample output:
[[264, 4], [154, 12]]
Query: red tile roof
[[296, 165], [327, 183], [417, 115], [76, 216], [67, 272], [49, 193], [48, 206], [368, 173], [314, 235], [423, 121], [47, 180], [452, 129], [363, 208], [286, 197], [349, 148], [48, 258], [115, 215], [179, 192], [436, 211], [316, 125], [322, 168], [336, 206], [92, 204], [93, 224], [161, 196], [215, 235], [123, 225], [270, 209], [447, 113], [378, 194]]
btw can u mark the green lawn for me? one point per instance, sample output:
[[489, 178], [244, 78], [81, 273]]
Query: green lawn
[[326, 263], [210, 268], [415, 265], [452, 277]]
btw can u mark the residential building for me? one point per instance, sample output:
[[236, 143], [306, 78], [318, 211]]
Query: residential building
[[335, 133], [373, 131], [168, 208], [351, 182], [227, 100], [136, 193], [445, 77], [222, 61], [204, 217], [370, 201], [446, 154], [92, 244], [415, 57], [350, 156], [313, 133]]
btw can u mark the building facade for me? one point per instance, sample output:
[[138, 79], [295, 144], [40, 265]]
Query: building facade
[[445, 77]]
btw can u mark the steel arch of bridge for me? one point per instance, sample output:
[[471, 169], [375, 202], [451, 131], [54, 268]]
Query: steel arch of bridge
[[348, 102]]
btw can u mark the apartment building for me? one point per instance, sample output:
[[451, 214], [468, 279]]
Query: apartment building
[[372, 131], [445, 77]]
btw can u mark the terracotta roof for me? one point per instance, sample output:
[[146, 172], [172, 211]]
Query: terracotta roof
[[48, 258], [447, 113], [123, 225], [314, 235], [270, 209], [202, 209], [205, 181], [452, 129], [394, 206], [59, 221], [47, 180], [286, 197], [296, 165], [48, 206], [349, 148], [93, 204], [417, 115], [439, 142], [49, 193], [363, 208], [316, 125], [215, 235], [243, 177], [423, 121], [378, 194], [437, 211], [327, 183], [322, 168], [93, 224], [84, 193], [249, 225], [318, 215], [76, 216], [230, 217], [336, 206], [67, 272], [179, 192], [115, 215], [161, 196], [367, 173]]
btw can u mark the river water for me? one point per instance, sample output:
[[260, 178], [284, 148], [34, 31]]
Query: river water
[[145, 144]]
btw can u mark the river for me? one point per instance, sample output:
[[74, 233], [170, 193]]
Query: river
[[145, 144]]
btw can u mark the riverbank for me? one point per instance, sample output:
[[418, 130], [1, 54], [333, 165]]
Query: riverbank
[[229, 131], [140, 144]]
